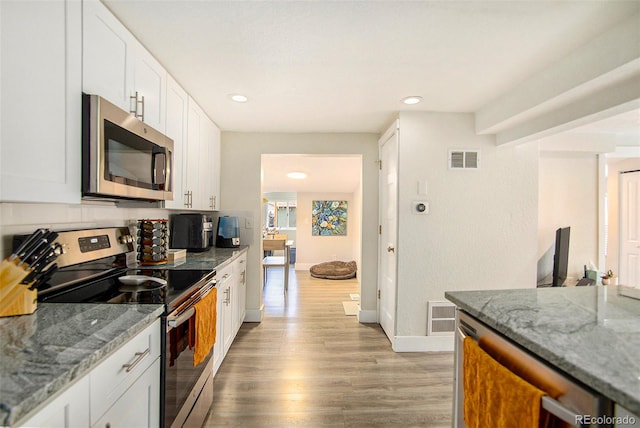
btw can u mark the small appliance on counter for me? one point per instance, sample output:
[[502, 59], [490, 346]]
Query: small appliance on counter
[[192, 232], [228, 235]]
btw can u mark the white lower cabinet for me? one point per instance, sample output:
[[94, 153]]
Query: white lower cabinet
[[231, 285], [121, 391], [69, 410], [139, 406], [240, 296], [224, 278]]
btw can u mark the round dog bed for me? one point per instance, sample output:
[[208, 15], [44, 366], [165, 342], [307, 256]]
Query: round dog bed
[[334, 270]]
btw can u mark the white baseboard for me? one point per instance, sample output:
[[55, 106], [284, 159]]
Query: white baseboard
[[367, 316], [424, 343], [254, 315]]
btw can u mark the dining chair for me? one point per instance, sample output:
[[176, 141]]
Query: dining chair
[[276, 261]]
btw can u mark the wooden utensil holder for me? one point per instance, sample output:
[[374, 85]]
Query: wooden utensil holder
[[15, 298]]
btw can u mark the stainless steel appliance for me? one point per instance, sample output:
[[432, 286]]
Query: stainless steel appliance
[[193, 232], [570, 407], [93, 269], [123, 157]]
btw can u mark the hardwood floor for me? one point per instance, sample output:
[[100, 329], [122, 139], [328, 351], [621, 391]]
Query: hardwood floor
[[308, 364]]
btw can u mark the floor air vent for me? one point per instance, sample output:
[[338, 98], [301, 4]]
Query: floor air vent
[[441, 318], [464, 159]]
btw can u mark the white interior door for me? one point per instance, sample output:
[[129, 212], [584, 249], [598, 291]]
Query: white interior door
[[387, 281], [630, 229]]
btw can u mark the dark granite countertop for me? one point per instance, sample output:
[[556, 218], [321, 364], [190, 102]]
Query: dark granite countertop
[[43, 352], [590, 333]]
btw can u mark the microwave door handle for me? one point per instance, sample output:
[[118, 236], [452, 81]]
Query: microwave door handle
[[159, 174]]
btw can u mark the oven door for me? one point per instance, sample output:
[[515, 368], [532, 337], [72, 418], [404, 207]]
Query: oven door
[[188, 390]]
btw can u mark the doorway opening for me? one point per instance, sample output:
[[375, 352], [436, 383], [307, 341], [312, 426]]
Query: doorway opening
[[293, 187]]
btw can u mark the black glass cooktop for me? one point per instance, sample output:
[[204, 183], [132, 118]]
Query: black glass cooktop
[[93, 284]]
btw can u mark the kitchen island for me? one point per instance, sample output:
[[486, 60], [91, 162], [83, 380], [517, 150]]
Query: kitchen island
[[42, 353], [590, 333]]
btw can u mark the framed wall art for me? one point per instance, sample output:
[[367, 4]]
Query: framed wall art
[[329, 218]]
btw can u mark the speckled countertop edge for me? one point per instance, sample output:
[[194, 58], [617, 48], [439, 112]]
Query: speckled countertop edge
[[590, 333], [42, 353]]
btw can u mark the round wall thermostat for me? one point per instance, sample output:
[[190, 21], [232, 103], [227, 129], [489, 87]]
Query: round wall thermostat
[[420, 207]]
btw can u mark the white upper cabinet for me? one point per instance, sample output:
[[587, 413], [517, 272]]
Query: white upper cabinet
[[117, 67], [41, 111], [191, 176], [176, 129]]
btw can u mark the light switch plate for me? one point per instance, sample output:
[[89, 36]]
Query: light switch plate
[[248, 223]]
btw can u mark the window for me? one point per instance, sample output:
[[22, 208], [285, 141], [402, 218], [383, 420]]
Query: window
[[281, 214]]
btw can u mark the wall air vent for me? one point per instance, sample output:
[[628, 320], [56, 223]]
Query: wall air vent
[[441, 318], [464, 159]]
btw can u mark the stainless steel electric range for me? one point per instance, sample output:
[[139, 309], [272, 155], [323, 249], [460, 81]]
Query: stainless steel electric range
[[93, 268]]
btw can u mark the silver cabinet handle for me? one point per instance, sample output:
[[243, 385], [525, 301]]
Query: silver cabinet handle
[[139, 357]]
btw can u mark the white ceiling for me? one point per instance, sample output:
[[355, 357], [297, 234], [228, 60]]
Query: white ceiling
[[344, 66], [324, 173]]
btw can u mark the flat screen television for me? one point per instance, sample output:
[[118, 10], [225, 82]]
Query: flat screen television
[[561, 257]]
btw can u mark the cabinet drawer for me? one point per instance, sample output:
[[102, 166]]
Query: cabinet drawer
[[112, 377]]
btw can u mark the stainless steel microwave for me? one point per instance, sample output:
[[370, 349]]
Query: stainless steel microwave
[[123, 157]]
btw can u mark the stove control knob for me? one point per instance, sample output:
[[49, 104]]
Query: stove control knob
[[126, 239]]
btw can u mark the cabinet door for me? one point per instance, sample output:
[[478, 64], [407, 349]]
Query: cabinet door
[[105, 55], [227, 323], [41, 109], [206, 161], [214, 159], [116, 374], [149, 83], [223, 276], [139, 406], [240, 273], [69, 410], [176, 129], [192, 156]]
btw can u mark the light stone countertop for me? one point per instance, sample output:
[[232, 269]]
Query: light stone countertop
[[43, 352], [591, 333], [211, 259]]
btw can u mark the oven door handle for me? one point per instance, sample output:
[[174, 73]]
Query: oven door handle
[[175, 321]]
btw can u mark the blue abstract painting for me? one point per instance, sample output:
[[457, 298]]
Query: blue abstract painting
[[329, 218]]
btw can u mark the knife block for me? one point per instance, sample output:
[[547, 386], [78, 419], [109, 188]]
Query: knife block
[[24, 302], [15, 298]]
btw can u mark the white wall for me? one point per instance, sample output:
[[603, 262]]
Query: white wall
[[568, 196], [20, 218], [241, 190], [482, 230], [317, 249]]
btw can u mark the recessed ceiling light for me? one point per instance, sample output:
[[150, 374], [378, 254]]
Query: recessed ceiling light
[[297, 175], [239, 98], [414, 99]]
